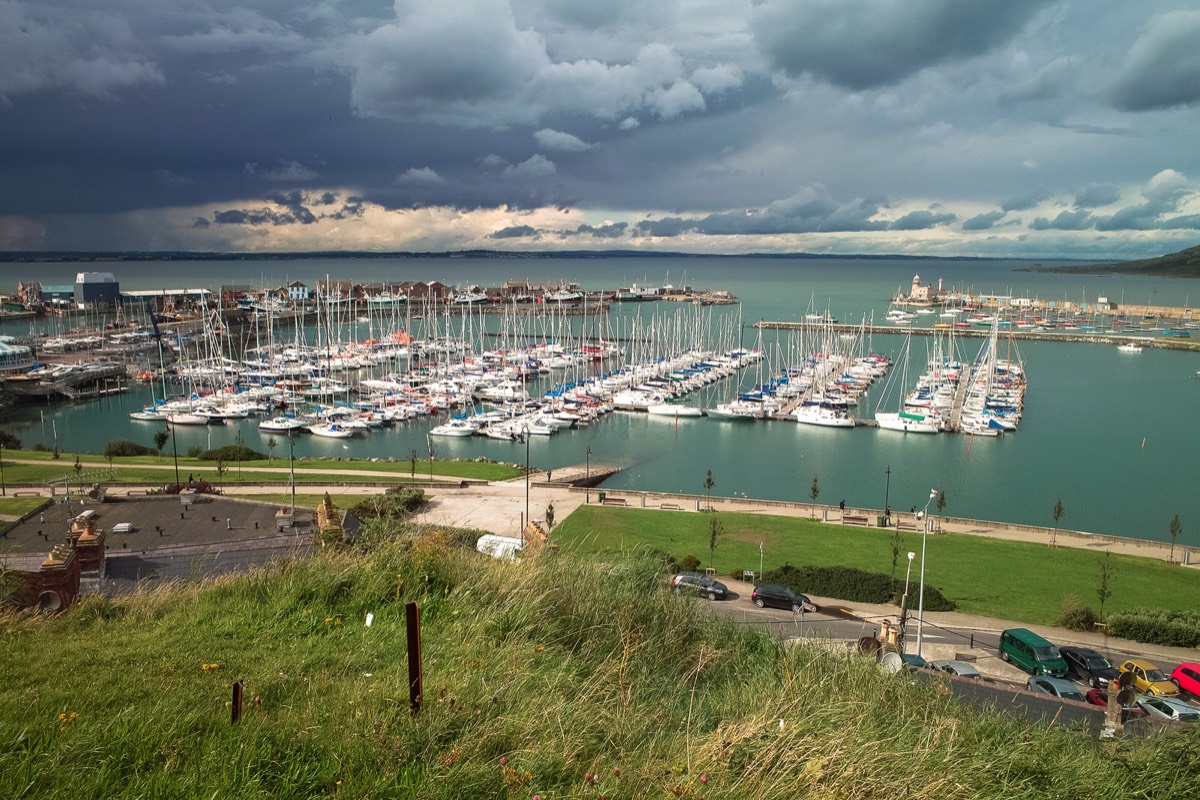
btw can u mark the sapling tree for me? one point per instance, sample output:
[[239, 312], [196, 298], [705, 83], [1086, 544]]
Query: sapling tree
[[709, 483], [814, 492], [1057, 512], [1174, 529], [715, 531]]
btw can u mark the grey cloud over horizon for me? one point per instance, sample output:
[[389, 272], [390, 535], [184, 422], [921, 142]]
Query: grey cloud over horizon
[[928, 121]]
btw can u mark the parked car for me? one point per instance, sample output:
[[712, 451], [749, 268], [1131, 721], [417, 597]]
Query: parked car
[[1187, 677], [1088, 666], [779, 596], [1149, 678], [1099, 697], [1169, 708], [701, 584], [955, 667], [1031, 653], [1055, 687]]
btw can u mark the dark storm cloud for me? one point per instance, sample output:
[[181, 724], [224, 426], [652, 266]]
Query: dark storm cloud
[[922, 219], [515, 232], [1078, 220], [1025, 202], [866, 44], [666, 228], [983, 222], [1097, 194], [1163, 66], [291, 208], [611, 231]]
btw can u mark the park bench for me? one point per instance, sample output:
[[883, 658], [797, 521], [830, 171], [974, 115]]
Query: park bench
[[613, 501], [854, 519], [901, 525], [671, 507]]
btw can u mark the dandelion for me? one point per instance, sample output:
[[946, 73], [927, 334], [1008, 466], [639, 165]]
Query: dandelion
[[541, 648], [209, 667]]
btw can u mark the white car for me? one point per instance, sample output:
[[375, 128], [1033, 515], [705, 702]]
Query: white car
[[1169, 708]]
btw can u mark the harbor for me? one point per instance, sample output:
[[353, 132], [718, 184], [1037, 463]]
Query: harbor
[[655, 388]]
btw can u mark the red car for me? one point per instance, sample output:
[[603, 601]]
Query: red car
[[1099, 697], [1187, 677]]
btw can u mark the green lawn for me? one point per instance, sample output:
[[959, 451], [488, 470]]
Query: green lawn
[[160, 469], [19, 506], [992, 577]]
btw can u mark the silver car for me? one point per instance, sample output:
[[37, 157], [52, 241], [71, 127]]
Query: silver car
[[955, 667], [1168, 708], [1055, 687]]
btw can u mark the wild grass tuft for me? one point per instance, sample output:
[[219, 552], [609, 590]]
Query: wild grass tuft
[[559, 675]]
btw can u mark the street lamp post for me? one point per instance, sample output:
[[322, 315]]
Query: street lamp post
[[921, 600], [904, 600], [527, 519], [887, 489], [292, 462], [587, 472], [174, 451], [3, 489]]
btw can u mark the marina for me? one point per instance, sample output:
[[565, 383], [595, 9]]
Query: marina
[[659, 388]]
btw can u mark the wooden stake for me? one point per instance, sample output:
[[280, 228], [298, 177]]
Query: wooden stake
[[412, 616]]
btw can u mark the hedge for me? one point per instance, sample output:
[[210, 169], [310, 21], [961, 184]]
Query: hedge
[[1157, 626], [854, 585]]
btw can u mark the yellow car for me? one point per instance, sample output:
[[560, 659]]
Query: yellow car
[[1149, 679]]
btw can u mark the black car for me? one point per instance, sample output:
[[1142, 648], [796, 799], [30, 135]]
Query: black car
[[1088, 666], [778, 596], [701, 584]]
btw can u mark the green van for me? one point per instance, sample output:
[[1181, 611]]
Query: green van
[[1031, 653]]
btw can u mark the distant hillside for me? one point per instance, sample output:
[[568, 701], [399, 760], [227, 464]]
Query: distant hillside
[[1184, 264]]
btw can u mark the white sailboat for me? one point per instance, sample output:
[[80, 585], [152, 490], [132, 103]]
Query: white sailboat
[[904, 419]]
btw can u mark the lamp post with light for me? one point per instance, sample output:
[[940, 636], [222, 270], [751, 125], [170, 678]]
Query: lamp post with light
[[921, 600], [904, 601]]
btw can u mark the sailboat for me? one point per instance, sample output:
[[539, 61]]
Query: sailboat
[[903, 419]]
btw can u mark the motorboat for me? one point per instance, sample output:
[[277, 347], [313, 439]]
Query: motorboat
[[823, 416], [281, 424], [453, 427]]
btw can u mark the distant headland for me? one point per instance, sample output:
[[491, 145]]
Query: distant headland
[[1184, 264], [73, 256]]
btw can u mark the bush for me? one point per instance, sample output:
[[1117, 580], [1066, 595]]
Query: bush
[[230, 454], [39, 448], [1157, 626], [847, 583], [689, 563], [736, 574], [9, 442], [194, 451], [124, 447], [1075, 616], [392, 504]]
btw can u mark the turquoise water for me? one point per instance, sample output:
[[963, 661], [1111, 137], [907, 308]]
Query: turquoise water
[[1115, 436]]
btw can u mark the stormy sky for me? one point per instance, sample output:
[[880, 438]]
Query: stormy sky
[[1034, 128]]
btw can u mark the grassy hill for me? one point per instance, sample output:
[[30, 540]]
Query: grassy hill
[[1183, 264], [559, 677]]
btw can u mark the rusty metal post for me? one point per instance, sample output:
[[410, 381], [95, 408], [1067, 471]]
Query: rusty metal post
[[412, 615], [236, 714]]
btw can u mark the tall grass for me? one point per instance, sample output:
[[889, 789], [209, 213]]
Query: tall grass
[[585, 679]]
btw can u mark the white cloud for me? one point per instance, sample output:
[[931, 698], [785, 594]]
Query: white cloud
[[420, 176], [536, 166], [550, 139]]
